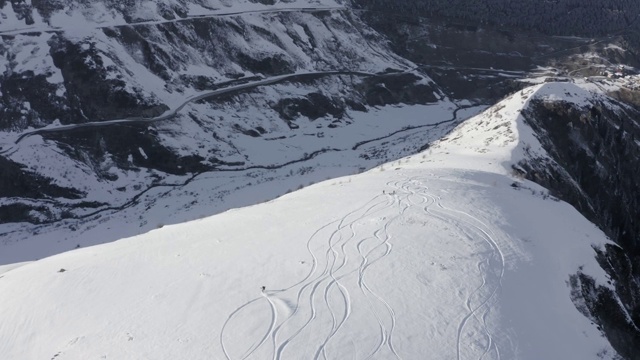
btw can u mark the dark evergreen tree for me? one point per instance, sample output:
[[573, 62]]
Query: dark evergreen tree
[[551, 17]]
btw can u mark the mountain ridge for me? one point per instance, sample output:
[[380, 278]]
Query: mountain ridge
[[411, 206], [573, 134]]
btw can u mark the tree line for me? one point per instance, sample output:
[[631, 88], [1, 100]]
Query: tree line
[[550, 17]]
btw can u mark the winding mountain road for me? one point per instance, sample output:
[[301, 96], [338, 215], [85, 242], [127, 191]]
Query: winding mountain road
[[53, 29], [7, 150], [173, 112]]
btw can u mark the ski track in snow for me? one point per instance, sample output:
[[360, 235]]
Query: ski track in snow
[[334, 260], [328, 274], [324, 287], [474, 225]]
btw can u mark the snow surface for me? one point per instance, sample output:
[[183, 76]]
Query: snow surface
[[6, 268], [335, 47], [433, 256], [499, 136], [183, 199]]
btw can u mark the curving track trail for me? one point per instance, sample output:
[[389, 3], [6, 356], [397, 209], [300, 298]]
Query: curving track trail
[[337, 296]]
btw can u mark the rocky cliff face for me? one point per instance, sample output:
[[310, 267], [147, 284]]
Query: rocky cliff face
[[596, 151]]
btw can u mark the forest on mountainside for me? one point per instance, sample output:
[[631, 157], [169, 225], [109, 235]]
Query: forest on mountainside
[[550, 17]]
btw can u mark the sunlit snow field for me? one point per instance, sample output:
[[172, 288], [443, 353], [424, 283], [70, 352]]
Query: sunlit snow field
[[435, 256]]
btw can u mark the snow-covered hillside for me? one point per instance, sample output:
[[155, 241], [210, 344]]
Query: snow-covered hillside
[[99, 113], [441, 255], [500, 135]]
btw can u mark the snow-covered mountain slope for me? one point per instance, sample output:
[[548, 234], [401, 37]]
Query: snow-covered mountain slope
[[109, 71], [60, 82], [440, 255], [501, 136]]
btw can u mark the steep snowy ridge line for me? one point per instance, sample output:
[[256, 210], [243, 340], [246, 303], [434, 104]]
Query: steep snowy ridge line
[[358, 253], [273, 166], [501, 132]]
